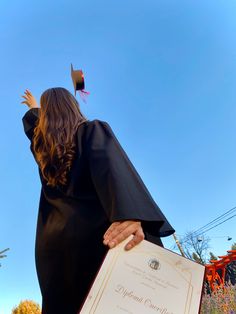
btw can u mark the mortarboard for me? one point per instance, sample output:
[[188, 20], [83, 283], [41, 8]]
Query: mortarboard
[[78, 82], [77, 78]]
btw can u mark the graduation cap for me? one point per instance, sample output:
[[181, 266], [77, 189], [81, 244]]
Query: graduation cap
[[78, 82], [77, 78]]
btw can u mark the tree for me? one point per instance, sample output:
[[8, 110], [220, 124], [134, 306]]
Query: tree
[[212, 257], [27, 307], [196, 248], [233, 247]]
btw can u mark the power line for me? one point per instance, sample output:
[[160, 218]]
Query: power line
[[215, 220], [220, 223], [212, 224], [225, 236]]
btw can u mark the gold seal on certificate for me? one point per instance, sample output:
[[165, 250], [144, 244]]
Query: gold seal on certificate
[[148, 279]]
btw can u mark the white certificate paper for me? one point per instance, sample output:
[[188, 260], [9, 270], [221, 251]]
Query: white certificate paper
[[148, 279]]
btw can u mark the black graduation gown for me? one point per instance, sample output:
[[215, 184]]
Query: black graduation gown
[[103, 187]]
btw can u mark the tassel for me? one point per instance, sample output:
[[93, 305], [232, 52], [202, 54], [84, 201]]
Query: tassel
[[83, 94]]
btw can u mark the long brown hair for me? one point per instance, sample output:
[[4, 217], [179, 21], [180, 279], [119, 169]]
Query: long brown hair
[[54, 140]]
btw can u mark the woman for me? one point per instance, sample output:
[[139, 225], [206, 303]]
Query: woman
[[92, 198]]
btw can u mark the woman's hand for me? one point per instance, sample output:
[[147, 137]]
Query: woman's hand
[[119, 231], [30, 100]]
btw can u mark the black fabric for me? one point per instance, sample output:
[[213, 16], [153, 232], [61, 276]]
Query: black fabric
[[103, 187]]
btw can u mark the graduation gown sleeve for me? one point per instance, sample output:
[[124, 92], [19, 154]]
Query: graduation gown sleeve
[[119, 187], [29, 121]]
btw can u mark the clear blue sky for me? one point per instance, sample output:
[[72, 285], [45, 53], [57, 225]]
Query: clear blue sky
[[162, 73]]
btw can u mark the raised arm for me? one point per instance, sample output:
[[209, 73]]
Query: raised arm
[[32, 115], [29, 121]]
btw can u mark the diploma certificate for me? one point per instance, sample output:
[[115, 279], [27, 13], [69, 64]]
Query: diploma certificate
[[148, 279]]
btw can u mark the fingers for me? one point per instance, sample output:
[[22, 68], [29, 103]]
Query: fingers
[[28, 92], [115, 229], [120, 231], [138, 237], [25, 96], [26, 101], [110, 229], [30, 100]]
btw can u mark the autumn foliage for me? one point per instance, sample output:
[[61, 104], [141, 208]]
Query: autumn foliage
[[27, 307]]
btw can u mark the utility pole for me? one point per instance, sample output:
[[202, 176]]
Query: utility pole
[[179, 245]]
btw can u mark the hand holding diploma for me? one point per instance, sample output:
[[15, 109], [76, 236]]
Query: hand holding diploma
[[145, 280], [121, 230]]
